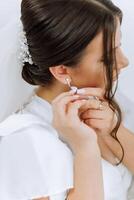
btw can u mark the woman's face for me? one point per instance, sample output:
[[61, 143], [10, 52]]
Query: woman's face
[[90, 71]]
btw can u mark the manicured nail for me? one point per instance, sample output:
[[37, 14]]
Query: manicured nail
[[71, 92], [81, 91], [74, 89]]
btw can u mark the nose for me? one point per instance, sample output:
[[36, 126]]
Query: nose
[[122, 60]]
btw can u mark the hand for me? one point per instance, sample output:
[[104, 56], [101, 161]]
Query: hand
[[98, 115], [102, 120], [66, 120]]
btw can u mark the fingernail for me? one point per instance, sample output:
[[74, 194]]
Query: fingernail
[[71, 92], [81, 91], [74, 89]]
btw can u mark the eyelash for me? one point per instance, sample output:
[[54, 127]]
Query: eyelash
[[102, 60]]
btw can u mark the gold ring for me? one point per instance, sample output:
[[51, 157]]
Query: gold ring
[[100, 105]]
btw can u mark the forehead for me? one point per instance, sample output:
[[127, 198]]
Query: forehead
[[118, 33], [96, 45]]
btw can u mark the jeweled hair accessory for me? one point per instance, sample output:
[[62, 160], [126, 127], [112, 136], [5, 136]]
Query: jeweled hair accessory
[[24, 54]]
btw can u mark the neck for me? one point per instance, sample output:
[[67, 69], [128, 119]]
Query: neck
[[49, 93]]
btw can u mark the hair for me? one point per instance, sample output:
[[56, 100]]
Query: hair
[[58, 31]]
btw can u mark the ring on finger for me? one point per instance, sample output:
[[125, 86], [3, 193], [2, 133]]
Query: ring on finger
[[100, 107], [92, 98]]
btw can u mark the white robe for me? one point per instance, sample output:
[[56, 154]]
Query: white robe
[[35, 163]]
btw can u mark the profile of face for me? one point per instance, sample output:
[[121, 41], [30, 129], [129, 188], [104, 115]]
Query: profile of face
[[78, 52], [70, 44], [90, 72]]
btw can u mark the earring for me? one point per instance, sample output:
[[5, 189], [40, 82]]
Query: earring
[[73, 88], [68, 81]]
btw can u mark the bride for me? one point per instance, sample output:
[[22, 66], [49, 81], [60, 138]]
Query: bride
[[69, 140]]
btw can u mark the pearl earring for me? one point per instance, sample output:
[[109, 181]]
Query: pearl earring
[[73, 88]]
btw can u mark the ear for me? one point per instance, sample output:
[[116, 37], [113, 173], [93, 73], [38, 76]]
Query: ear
[[60, 73]]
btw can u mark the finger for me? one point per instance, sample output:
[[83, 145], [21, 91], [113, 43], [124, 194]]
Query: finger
[[95, 123], [92, 91], [93, 114], [61, 105], [62, 95], [74, 107], [92, 104]]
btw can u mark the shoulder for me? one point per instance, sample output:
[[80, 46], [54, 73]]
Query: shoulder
[[30, 131], [32, 158], [32, 146], [17, 121]]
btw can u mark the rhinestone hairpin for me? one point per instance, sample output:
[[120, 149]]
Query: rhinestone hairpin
[[24, 54]]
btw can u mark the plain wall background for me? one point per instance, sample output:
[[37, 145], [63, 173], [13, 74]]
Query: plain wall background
[[127, 76]]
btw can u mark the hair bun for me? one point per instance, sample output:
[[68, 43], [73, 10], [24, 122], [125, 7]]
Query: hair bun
[[27, 73]]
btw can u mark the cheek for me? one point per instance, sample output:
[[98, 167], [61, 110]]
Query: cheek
[[98, 78], [89, 77]]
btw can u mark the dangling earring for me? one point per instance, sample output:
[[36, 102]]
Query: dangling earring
[[73, 88], [68, 82]]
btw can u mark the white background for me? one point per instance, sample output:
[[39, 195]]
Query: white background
[[127, 75]]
